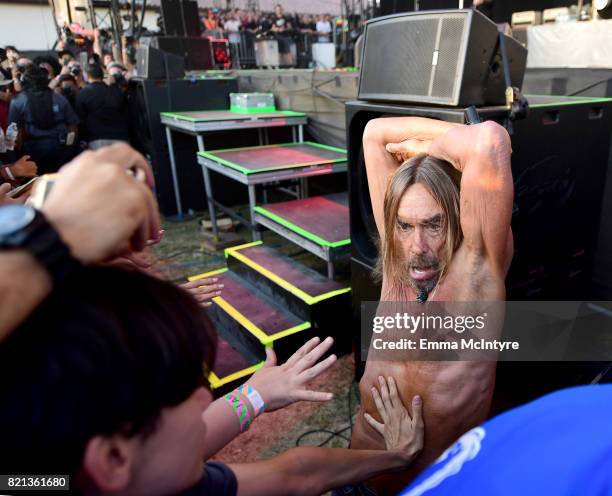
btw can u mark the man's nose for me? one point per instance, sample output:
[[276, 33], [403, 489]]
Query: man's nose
[[419, 243]]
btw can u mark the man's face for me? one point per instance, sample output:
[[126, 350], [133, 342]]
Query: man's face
[[171, 459], [420, 221], [279, 10], [12, 54]]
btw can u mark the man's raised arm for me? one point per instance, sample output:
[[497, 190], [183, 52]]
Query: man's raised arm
[[482, 153]]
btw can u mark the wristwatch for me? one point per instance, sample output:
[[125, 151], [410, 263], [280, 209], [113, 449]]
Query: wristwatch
[[25, 228]]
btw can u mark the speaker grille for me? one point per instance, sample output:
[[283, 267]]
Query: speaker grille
[[446, 77], [414, 57]]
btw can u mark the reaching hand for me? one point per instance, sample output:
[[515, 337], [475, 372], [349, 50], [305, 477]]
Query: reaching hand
[[24, 167], [204, 290], [5, 188], [282, 385], [101, 204], [401, 433]]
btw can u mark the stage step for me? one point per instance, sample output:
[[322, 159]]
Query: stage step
[[232, 367], [319, 224], [302, 290], [270, 300]]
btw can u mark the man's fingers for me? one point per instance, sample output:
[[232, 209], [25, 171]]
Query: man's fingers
[[384, 393], [378, 427], [313, 356], [379, 404], [202, 282], [393, 394], [154, 224], [4, 189], [270, 358], [128, 158], [319, 368], [306, 347], [417, 411], [307, 395]]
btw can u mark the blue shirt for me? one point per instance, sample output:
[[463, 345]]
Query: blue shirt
[[560, 444], [63, 113]]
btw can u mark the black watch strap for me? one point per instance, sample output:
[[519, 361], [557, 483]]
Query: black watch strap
[[48, 248]]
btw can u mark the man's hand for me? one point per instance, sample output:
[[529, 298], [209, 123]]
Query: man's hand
[[24, 167], [102, 204], [407, 149], [5, 189], [280, 386], [203, 290], [401, 433]]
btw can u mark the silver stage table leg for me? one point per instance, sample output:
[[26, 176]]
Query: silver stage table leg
[[211, 202], [177, 193], [208, 189], [256, 234], [303, 181]]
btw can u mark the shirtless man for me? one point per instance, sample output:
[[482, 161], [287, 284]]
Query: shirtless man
[[443, 217]]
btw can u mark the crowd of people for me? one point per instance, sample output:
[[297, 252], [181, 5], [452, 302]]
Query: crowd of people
[[52, 108], [233, 21]]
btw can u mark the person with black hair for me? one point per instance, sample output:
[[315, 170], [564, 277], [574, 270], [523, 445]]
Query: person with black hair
[[46, 121], [102, 110], [68, 87], [108, 387], [50, 64]]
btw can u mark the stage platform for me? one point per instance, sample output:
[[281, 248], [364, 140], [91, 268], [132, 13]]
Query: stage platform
[[221, 120], [198, 122], [270, 301], [267, 164], [318, 224]]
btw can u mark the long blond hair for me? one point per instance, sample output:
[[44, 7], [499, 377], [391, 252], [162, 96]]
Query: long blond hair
[[442, 181]]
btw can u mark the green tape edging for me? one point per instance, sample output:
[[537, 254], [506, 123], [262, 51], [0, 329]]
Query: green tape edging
[[252, 110], [326, 147], [301, 231], [222, 161], [244, 170], [182, 117]]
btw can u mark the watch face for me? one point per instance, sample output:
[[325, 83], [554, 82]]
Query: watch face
[[13, 218]]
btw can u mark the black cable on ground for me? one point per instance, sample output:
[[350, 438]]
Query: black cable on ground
[[338, 433]]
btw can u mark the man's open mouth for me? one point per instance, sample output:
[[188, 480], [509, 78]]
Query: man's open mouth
[[423, 272]]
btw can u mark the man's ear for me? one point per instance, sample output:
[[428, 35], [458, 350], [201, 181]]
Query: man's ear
[[108, 462]]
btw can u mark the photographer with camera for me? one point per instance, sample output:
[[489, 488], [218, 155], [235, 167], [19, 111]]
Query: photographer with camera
[[46, 122], [102, 109]]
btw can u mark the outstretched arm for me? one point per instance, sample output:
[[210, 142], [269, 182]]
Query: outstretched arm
[[278, 385], [380, 163], [312, 471]]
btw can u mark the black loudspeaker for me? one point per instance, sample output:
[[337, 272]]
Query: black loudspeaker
[[152, 63], [191, 17], [147, 98], [388, 7], [437, 57], [172, 17], [557, 203], [197, 52]]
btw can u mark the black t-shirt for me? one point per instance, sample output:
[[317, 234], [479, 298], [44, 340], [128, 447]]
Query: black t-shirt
[[103, 112], [217, 480]]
